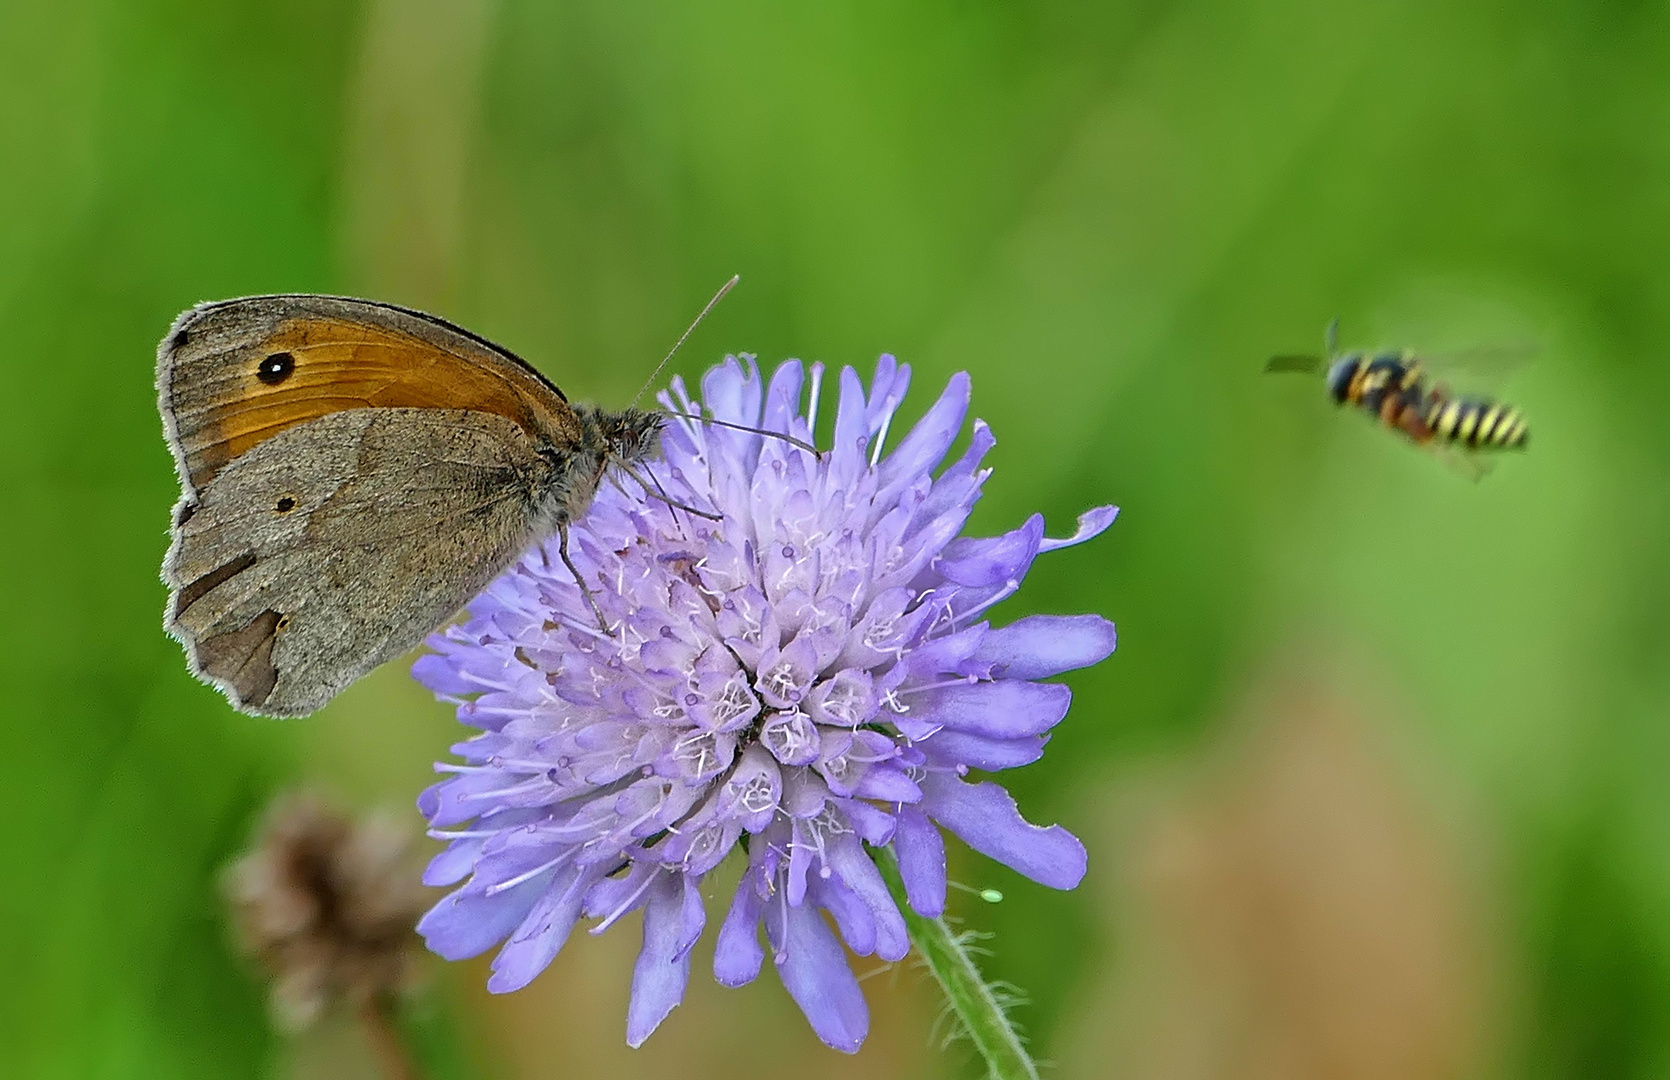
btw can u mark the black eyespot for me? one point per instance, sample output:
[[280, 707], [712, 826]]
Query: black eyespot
[[286, 504], [276, 368], [283, 621]]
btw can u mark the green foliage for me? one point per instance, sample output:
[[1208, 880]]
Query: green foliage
[[1109, 214]]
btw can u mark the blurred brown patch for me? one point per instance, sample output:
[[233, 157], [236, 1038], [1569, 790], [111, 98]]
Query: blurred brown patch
[[1289, 911]]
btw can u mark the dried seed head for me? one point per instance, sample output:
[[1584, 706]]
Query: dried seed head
[[328, 905]]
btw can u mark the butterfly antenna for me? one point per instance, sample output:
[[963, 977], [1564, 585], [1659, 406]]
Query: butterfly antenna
[[790, 439], [1330, 338], [718, 296]]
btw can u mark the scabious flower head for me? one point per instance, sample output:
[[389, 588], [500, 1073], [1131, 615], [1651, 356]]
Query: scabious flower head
[[807, 675]]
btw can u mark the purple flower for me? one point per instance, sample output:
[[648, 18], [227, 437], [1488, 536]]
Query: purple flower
[[806, 676]]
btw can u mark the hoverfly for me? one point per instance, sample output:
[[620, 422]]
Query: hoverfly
[[1394, 386]]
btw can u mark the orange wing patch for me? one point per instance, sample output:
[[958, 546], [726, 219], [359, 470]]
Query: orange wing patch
[[230, 387]]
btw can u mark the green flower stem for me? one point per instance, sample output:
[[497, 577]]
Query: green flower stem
[[382, 1027], [972, 999]]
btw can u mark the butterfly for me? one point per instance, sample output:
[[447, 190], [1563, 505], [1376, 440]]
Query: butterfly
[[351, 474]]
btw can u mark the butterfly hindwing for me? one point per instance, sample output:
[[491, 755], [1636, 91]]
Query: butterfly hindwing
[[340, 542]]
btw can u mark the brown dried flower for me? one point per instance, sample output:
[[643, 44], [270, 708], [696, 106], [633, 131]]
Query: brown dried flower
[[328, 905]]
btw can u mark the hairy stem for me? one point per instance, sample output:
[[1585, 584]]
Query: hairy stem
[[970, 997]]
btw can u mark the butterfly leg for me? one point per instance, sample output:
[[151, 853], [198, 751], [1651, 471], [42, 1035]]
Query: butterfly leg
[[585, 590]]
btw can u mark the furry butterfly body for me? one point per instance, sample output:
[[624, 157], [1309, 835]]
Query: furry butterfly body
[[351, 474]]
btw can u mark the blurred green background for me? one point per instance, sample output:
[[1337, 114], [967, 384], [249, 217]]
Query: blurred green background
[[1376, 783]]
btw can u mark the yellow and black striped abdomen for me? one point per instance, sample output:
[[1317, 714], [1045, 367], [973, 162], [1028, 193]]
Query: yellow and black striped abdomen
[[1477, 423]]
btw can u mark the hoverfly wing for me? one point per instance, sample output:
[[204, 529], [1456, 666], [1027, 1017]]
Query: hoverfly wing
[[1468, 463], [1308, 365], [1490, 363]]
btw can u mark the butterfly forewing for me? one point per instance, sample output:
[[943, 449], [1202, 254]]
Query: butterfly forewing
[[233, 374]]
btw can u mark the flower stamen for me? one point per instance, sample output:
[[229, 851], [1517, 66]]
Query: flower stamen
[[505, 886], [626, 905]]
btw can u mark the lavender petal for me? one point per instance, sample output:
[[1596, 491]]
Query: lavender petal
[[985, 818], [1092, 523], [921, 853], [1008, 709], [467, 923], [659, 976], [737, 954], [849, 861], [994, 561], [948, 747], [814, 970], [1040, 646], [536, 942], [928, 441]]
